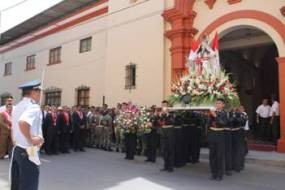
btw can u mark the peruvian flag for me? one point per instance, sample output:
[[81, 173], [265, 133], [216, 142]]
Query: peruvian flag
[[215, 48], [193, 55], [215, 43], [193, 50]]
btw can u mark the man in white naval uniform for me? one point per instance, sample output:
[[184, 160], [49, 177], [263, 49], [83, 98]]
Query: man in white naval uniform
[[27, 136]]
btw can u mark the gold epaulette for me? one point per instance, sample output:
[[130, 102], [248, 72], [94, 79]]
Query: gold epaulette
[[236, 129], [217, 129], [167, 126]]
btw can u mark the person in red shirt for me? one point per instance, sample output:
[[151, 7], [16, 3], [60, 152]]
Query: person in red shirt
[[5, 131]]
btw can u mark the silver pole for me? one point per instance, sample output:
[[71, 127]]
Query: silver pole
[[0, 23], [42, 85]]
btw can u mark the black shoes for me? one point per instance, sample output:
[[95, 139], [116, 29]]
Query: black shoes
[[216, 178], [129, 158], [170, 170], [165, 169], [219, 179], [228, 173]]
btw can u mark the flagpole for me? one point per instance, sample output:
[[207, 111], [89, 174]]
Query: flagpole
[[42, 84]]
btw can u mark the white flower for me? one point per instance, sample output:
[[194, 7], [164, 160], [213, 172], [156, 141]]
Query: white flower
[[210, 90]]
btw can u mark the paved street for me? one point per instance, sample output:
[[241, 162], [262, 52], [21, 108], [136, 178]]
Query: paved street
[[98, 170]]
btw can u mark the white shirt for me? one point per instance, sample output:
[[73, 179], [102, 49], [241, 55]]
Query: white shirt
[[246, 126], [2, 108], [30, 112], [274, 108], [263, 111]]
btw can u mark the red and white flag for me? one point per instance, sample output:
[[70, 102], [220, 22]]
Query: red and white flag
[[215, 46], [193, 55]]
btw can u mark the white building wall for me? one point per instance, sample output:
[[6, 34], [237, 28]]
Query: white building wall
[[135, 35], [130, 32], [76, 68]]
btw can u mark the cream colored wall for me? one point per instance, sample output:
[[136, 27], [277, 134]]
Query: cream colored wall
[[76, 69], [169, 4], [206, 16], [129, 33], [167, 55], [135, 35], [167, 63]]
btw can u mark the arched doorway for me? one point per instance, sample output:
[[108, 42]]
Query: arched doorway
[[249, 55]]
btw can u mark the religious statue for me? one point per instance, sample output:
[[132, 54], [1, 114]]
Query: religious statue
[[204, 59]]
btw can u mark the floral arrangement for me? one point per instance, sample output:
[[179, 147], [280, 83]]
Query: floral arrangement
[[204, 89], [144, 121], [128, 119]]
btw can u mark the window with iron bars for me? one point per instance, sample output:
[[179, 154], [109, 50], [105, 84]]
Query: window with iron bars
[[85, 45], [8, 69], [30, 62], [83, 96], [53, 98], [55, 56], [130, 76]]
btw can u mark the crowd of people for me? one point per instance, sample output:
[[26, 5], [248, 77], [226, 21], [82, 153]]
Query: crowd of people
[[174, 134]]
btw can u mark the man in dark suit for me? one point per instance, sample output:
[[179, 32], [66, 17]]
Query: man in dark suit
[[51, 132], [79, 125], [63, 123]]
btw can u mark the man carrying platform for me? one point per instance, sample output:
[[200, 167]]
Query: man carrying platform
[[216, 139], [167, 137]]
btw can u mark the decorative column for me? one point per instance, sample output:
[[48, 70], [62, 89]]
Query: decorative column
[[181, 18], [281, 69]]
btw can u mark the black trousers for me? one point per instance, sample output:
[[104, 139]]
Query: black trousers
[[25, 174], [51, 141], [79, 139], [228, 151], [64, 141], [168, 147], [44, 129], [264, 128], [179, 155], [217, 153], [152, 140], [194, 144], [275, 129], [139, 147], [238, 149], [130, 143]]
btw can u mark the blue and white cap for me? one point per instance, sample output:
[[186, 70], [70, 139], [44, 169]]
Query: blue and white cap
[[35, 84]]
